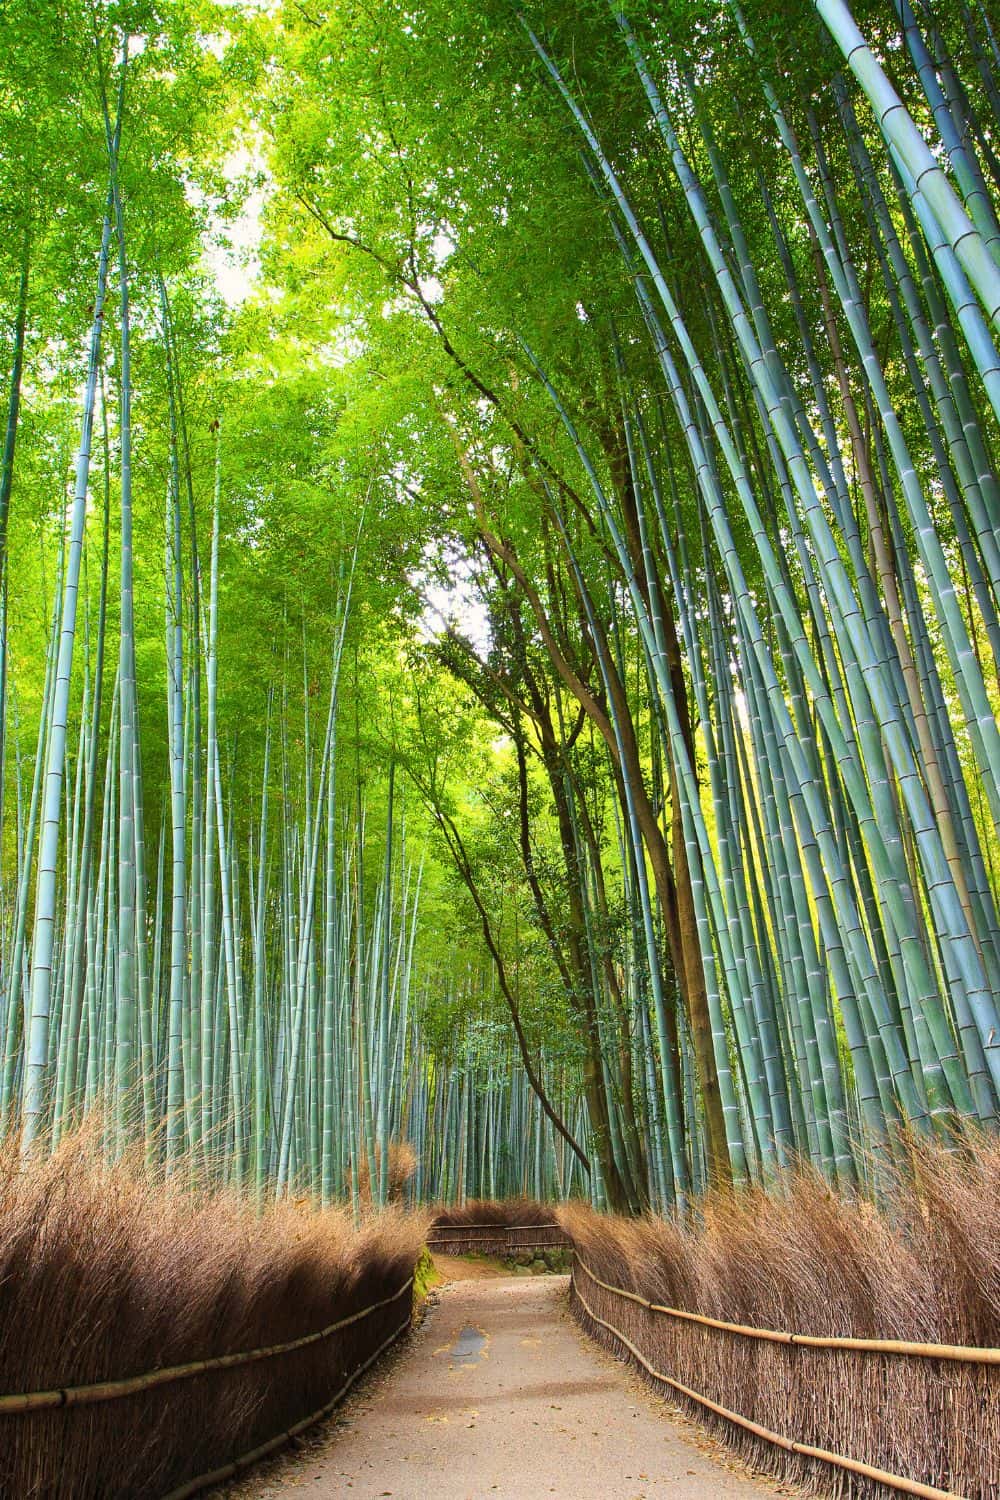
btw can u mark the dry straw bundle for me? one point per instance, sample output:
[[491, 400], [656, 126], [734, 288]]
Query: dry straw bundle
[[924, 1268], [402, 1165], [105, 1275]]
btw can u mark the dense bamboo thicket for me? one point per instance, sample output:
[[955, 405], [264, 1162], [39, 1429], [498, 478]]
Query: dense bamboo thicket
[[816, 616], [526, 690], [106, 1274], [218, 961], [923, 1269]]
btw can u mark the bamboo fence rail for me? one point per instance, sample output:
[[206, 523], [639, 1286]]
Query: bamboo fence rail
[[496, 1239], [810, 1451], [246, 1460], [112, 1390], [806, 1450], [964, 1353], [444, 1228]]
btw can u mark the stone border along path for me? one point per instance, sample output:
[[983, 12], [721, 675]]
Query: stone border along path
[[499, 1396]]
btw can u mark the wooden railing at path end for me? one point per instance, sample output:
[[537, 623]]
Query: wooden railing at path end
[[504, 1241]]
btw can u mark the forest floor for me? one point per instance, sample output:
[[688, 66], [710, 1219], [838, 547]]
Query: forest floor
[[499, 1396]]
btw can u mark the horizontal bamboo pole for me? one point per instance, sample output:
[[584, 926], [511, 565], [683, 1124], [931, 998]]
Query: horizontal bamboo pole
[[113, 1390], [496, 1228], [960, 1353], [245, 1460], [504, 1244], [455, 1247], [806, 1450]]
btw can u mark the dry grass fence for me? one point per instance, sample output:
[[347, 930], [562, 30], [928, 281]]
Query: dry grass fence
[[105, 1275], [497, 1227], [925, 1268]]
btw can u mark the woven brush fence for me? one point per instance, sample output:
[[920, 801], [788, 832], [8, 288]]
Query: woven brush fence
[[506, 1228], [153, 1342], [819, 1339]]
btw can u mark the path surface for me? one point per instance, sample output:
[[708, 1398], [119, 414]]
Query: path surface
[[498, 1396]]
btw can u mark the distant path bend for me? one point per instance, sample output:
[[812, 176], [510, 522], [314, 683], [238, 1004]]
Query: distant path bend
[[499, 1396]]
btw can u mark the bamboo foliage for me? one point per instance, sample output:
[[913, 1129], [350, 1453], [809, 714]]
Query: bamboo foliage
[[838, 736], [742, 580], [152, 1007]]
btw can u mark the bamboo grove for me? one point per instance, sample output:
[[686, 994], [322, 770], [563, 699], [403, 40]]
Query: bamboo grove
[[609, 803]]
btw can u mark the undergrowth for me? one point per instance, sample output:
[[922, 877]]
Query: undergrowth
[[105, 1273]]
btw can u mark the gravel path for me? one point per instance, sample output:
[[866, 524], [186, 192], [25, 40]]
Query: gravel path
[[499, 1396]]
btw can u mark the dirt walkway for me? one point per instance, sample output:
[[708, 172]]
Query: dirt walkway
[[498, 1396]]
